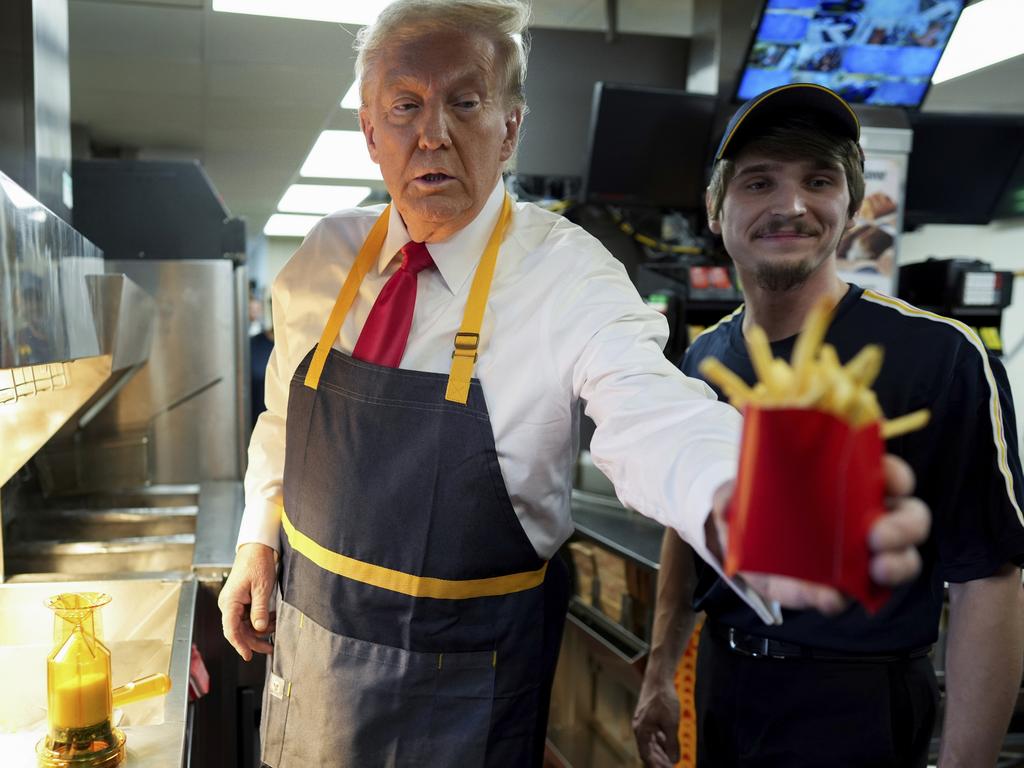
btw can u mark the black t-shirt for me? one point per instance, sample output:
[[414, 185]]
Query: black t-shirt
[[966, 462]]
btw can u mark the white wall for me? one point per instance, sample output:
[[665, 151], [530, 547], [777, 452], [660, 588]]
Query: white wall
[[274, 253], [279, 250], [1002, 245]]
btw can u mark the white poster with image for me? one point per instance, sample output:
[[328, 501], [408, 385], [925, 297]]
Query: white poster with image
[[867, 253]]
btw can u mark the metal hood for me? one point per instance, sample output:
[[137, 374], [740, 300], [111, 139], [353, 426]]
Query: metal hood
[[69, 334]]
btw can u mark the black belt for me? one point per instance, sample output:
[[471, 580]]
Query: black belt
[[745, 644]]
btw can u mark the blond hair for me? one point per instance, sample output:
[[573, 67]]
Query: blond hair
[[504, 22]]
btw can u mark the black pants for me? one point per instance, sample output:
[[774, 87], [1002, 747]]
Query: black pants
[[796, 713]]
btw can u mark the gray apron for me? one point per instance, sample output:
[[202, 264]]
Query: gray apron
[[417, 625]]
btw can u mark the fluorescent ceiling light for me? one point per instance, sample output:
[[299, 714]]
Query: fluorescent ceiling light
[[352, 99], [289, 225], [321, 198], [361, 13], [987, 32], [340, 155]]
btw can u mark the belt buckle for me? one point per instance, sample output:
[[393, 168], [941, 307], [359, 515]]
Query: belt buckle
[[757, 647], [762, 650]]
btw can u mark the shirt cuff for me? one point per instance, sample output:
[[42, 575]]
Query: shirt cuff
[[261, 524], [700, 498]]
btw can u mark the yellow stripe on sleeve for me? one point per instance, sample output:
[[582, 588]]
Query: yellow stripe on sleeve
[[995, 410]]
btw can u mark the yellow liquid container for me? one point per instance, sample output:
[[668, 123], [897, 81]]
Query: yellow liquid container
[[79, 698]]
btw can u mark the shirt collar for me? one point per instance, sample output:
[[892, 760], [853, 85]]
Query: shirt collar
[[456, 257]]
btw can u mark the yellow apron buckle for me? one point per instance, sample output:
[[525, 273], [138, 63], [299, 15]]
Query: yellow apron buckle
[[466, 344]]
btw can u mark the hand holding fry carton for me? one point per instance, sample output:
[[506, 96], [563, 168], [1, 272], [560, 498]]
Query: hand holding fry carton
[[810, 481]]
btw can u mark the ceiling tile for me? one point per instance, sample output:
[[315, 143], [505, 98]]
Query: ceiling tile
[[141, 30], [137, 74], [139, 119], [261, 82], [288, 42]]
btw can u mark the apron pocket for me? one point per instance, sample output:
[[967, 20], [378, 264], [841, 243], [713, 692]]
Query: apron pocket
[[349, 702]]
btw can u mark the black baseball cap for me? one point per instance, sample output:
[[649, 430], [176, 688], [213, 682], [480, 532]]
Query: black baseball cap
[[796, 99]]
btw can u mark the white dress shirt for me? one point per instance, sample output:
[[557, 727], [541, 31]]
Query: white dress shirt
[[563, 323]]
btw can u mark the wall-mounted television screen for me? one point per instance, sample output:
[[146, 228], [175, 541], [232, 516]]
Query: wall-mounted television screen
[[880, 52], [648, 147]]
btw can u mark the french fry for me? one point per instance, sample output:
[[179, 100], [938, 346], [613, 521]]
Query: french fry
[[812, 394], [760, 353], [829, 358], [809, 341], [731, 385], [864, 409], [783, 383], [816, 380], [903, 424], [865, 366], [840, 395]]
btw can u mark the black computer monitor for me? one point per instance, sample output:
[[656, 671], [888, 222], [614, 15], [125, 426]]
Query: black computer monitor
[[648, 147], [880, 52], [961, 167]]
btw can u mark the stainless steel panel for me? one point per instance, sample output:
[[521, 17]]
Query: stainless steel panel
[[150, 496], [243, 382], [185, 399], [137, 532], [220, 512], [51, 97], [605, 633], [105, 524], [35, 101], [64, 559], [125, 319], [46, 313], [36, 401], [77, 465]]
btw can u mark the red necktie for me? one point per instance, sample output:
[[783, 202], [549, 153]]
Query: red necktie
[[383, 338]]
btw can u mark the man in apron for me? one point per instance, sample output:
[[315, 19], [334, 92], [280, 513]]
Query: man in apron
[[413, 469]]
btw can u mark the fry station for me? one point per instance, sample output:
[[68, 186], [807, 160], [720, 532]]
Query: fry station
[[511, 384]]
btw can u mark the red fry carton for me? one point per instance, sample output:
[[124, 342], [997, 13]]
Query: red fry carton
[[809, 488]]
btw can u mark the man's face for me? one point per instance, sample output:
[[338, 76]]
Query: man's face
[[437, 123], [782, 219]]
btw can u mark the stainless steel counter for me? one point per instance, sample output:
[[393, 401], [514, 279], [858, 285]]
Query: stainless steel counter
[[603, 520], [149, 626], [220, 512]]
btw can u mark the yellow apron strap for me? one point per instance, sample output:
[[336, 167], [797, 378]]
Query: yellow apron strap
[[367, 255], [468, 338]]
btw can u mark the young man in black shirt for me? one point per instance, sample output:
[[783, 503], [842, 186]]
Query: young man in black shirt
[[850, 689]]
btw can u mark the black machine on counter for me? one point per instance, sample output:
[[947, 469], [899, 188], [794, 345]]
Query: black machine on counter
[[691, 296], [968, 290]]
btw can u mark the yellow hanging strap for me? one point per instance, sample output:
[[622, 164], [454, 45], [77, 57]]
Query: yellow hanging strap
[[467, 340], [367, 255], [686, 686]]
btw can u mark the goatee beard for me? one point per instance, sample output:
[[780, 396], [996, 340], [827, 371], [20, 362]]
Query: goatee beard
[[782, 277]]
